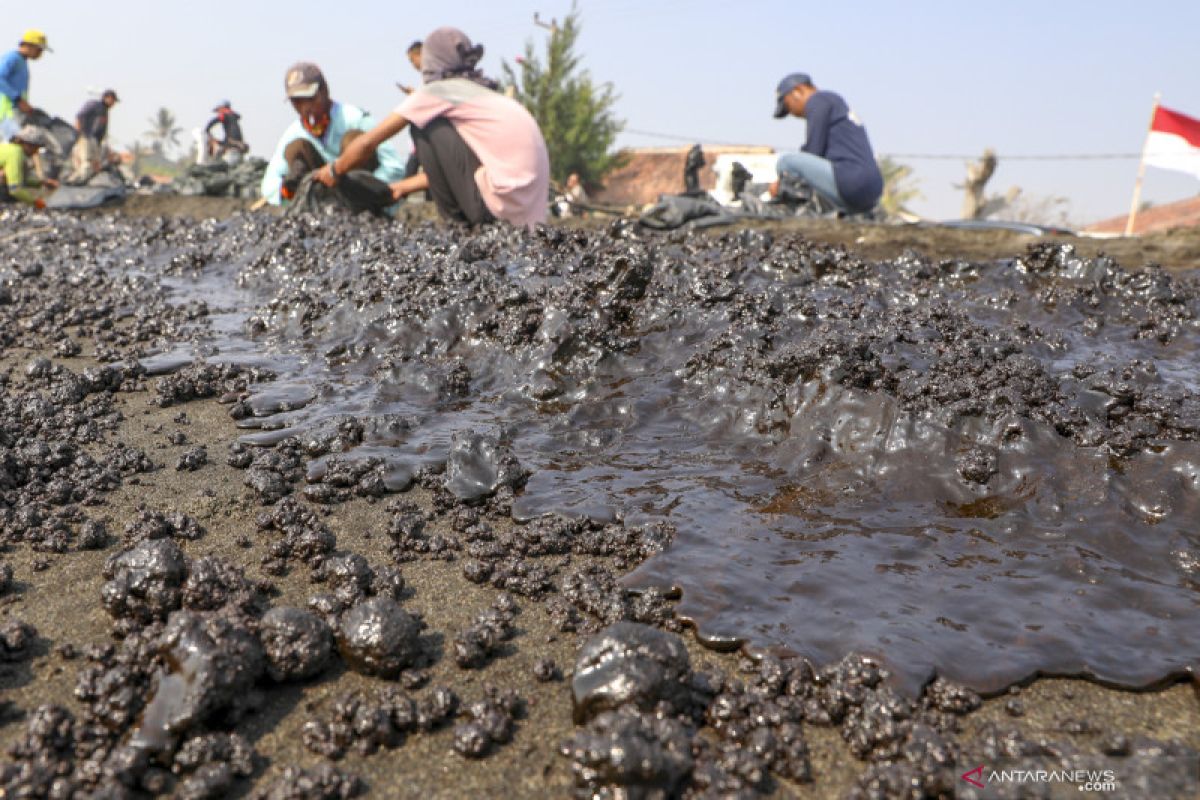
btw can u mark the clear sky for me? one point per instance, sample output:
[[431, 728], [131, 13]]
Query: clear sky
[[1049, 77]]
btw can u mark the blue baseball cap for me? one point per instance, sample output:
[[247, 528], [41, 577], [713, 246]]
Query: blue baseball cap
[[785, 86]]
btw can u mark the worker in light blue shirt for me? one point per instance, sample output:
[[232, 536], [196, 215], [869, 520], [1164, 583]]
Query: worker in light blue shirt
[[14, 80], [318, 136]]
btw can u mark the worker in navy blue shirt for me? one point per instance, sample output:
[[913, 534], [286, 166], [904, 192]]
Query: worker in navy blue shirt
[[88, 152], [92, 119], [836, 160]]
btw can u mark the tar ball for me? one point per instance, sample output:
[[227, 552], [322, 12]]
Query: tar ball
[[297, 642], [379, 638]]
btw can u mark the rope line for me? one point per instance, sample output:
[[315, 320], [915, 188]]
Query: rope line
[[922, 156]]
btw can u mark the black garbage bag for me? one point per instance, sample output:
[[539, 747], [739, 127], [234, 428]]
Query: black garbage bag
[[86, 196], [64, 133], [740, 178], [692, 165], [360, 190], [796, 198], [673, 210], [222, 179], [799, 195], [357, 190]]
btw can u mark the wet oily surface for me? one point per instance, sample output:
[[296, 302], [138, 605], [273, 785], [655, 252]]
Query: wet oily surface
[[984, 471]]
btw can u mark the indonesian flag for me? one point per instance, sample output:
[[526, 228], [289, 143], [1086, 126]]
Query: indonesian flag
[[1174, 142]]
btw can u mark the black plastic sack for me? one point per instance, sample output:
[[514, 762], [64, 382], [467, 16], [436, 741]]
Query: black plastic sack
[[87, 196], [740, 178], [692, 165], [357, 190], [796, 198], [673, 210], [221, 179], [64, 133], [801, 196]]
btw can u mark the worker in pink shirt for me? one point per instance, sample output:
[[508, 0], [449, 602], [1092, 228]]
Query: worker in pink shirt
[[482, 155]]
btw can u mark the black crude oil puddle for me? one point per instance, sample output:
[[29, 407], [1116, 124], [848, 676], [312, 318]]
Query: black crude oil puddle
[[987, 471]]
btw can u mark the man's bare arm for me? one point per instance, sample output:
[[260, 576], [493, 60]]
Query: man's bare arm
[[413, 183], [361, 149]]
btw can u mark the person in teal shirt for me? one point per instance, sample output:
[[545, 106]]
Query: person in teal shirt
[[323, 129]]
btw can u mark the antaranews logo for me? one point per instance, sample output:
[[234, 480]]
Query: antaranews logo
[[1085, 780], [1162, 772]]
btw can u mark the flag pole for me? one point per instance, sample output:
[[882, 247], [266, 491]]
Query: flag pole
[[1137, 186]]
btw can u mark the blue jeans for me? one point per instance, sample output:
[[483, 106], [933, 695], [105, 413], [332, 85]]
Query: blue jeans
[[817, 171]]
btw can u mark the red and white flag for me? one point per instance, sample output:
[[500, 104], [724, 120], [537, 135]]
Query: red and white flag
[[1174, 142]]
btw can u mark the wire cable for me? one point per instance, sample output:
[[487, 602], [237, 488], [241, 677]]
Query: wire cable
[[912, 156]]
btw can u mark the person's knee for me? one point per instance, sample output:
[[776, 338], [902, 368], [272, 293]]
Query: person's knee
[[301, 158], [796, 163], [428, 144], [303, 150], [441, 135], [293, 149], [790, 166]]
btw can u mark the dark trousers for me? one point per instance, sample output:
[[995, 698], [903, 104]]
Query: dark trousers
[[412, 166], [227, 145], [450, 165]]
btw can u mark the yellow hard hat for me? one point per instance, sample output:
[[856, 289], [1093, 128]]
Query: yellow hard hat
[[35, 37]]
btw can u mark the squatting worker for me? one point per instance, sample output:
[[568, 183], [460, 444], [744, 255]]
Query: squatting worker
[[482, 154], [836, 159], [17, 183], [324, 128], [231, 126], [87, 154], [14, 79]]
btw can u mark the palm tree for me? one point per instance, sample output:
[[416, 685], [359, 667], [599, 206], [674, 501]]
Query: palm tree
[[163, 131], [899, 187], [135, 147]]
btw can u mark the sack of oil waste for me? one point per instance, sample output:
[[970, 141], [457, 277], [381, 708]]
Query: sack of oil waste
[[221, 179], [85, 197], [796, 198], [60, 130], [672, 211], [358, 190]]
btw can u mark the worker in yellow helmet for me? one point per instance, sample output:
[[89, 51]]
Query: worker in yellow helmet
[[14, 79]]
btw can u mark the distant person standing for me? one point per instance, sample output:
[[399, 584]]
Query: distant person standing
[[87, 154], [836, 159], [231, 127], [14, 80], [92, 119]]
